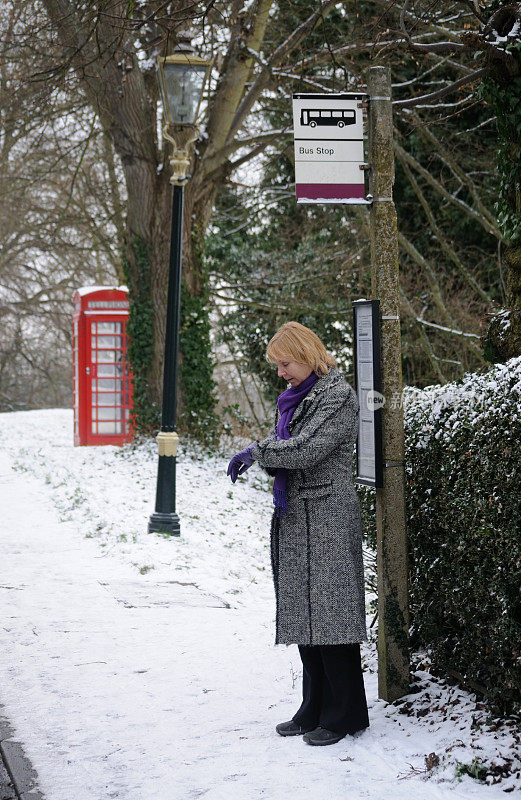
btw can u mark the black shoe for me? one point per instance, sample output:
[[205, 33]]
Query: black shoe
[[291, 729], [322, 736]]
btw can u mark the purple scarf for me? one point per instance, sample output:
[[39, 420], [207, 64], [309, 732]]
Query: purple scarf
[[287, 403]]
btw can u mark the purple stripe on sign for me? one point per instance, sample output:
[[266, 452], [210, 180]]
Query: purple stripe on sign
[[330, 191]]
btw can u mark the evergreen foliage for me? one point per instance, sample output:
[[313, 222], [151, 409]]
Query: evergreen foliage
[[449, 275], [503, 338], [296, 264], [446, 251], [140, 330], [464, 528], [504, 102], [196, 367]]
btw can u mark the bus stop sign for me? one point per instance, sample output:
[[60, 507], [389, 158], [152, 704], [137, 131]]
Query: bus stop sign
[[329, 148]]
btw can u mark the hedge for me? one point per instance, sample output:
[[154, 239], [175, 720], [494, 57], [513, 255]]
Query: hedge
[[463, 492]]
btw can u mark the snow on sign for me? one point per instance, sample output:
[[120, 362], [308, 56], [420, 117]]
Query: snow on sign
[[329, 148]]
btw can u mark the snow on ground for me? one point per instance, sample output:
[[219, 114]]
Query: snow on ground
[[138, 666]]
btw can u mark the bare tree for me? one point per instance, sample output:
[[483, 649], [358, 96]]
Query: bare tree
[[87, 168], [110, 47], [487, 35], [60, 218]]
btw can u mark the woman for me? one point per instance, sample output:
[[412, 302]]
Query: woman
[[316, 534]]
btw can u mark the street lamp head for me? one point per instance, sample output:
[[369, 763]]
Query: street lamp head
[[182, 77]]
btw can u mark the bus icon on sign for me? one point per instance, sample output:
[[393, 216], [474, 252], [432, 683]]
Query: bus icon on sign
[[316, 116]]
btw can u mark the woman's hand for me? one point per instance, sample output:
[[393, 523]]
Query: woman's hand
[[240, 463]]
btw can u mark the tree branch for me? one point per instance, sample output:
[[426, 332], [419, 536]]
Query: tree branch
[[264, 78], [403, 155], [414, 101], [434, 287], [423, 336], [441, 238], [448, 330]]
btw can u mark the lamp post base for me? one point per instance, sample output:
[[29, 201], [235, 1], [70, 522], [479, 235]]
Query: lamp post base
[[164, 523]]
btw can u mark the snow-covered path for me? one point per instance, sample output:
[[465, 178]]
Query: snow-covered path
[[120, 685]]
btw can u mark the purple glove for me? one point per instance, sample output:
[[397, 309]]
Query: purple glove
[[240, 462]]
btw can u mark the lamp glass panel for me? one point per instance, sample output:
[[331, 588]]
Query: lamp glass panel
[[184, 86]]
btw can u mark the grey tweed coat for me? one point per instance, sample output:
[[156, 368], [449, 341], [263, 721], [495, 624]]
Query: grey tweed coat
[[316, 546]]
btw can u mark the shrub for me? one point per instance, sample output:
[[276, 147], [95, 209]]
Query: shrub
[[463, 486]]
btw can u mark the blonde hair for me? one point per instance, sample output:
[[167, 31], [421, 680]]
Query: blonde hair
[[299, 343]]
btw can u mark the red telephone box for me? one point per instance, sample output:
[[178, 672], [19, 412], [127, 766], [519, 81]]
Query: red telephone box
[[102, 381]]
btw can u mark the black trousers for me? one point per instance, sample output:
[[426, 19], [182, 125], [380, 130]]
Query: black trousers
[[332, 688]]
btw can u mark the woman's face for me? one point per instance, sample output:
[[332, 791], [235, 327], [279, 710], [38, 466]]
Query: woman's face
[[292, 371]]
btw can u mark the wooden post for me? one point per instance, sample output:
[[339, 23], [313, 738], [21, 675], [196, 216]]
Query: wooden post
[[393, 614]]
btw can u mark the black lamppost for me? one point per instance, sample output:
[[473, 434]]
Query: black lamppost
[[182, 77]]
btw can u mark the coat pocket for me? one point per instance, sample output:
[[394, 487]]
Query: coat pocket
[[311, 490]]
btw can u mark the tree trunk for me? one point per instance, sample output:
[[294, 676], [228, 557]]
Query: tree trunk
[[146, 261], [105, 50], [196, 363], [147, 250]]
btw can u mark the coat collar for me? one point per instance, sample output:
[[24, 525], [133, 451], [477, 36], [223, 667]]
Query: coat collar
[[324, 382]]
